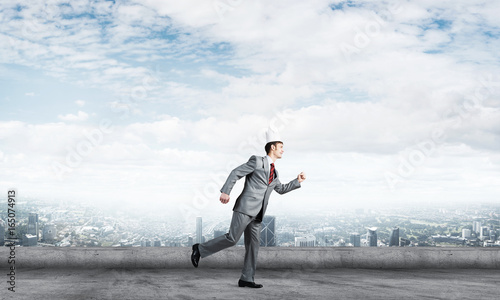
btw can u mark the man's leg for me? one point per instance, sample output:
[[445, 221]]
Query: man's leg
[[252, 243], [238, 224]]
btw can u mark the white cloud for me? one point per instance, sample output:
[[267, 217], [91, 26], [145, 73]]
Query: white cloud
[[165, 131], [80, 116], [135, 157], [30, 94], [80, 103], [191, 13]]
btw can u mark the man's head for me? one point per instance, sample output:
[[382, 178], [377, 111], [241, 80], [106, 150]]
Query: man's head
[[274, 149]]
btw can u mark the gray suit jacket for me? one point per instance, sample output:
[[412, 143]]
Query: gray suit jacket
[[255, 194]]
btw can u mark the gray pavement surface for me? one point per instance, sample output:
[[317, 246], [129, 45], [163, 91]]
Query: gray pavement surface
[[210, 283]]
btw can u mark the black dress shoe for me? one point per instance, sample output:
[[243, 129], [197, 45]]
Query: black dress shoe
[[242, 283], [195, 256]]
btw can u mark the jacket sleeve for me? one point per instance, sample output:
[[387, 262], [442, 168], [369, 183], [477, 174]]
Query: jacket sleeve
[[285, 188], [238, 173]]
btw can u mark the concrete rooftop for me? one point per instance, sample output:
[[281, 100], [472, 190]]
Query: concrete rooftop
[[287, 284], [287, 273]]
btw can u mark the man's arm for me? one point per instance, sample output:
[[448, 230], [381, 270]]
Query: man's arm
[[235, 175], [292, 185]]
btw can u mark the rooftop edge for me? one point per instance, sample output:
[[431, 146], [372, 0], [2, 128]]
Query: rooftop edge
[[269, 258]]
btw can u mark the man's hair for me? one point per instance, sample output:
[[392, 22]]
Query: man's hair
[[268, 146]]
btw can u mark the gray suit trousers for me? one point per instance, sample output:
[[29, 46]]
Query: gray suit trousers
[[240, 223]]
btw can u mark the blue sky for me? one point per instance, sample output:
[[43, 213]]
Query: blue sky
[[360, 94]]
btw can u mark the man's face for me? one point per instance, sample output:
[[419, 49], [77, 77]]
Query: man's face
[[277, 150]]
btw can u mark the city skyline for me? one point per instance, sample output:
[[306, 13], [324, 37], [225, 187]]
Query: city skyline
[[150, 104], [74, 225]]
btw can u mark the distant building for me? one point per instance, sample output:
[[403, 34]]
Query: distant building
[[493, 236], [30, 240], [484, 233], [49, 233], [404, 242], [33, 225], [394, 239], [2, 232], [466, 233], [372, 236], [449, 239], [157, 243], [190, 241], [199, 230], [218, 233], [125, 243], [146, 243], [267, 233], [476, 226], [307, 241], [490, 244], [355, 239]]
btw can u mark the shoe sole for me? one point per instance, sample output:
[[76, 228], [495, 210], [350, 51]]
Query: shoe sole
[[243, 285]]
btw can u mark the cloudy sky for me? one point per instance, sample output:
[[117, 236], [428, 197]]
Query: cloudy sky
[[151, 103]]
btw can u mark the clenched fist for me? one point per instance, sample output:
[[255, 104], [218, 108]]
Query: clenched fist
[[224, 198], [301, 177]]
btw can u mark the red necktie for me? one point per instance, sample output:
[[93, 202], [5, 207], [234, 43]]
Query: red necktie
[[271, 173]]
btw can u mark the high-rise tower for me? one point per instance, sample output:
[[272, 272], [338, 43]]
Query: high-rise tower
[[33, 225], [2, 232], [394, 239], [355, 239], [267, 233], [372, 236], [199, 230]]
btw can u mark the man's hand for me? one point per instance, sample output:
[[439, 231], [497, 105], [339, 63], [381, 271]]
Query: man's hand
[[301, 177], [224, 198]]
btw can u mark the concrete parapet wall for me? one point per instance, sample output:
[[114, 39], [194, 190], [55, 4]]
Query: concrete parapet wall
[[269, 258]]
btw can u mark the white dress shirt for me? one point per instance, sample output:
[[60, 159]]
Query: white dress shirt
[[269, 161]]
